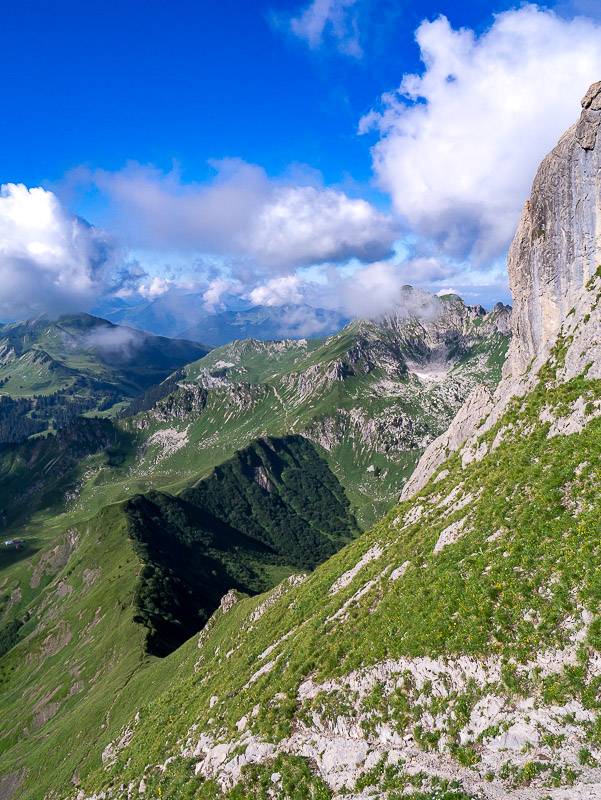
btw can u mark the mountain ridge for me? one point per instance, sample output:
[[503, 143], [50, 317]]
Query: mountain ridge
[[369, 395], [452, 650], [61, 368]]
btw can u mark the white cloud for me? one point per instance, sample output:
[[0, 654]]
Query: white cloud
[[307, 321], [50, 261], [276, 225], [377, 289], [114, 342], [310, 225], [460, 143], [213, 296], [277, 292], [329, 19], [155, 287]]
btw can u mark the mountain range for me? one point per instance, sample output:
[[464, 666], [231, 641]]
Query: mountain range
[[365, 565], [233, 473], [184, 314], [53, 370]]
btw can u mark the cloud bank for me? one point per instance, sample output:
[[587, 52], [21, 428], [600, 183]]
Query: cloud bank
[[456, 149], [459, 143], [242, 213]]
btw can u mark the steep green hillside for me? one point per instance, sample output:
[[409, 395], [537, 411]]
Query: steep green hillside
[[372, 397], [273, 508], [75, 650], [38, 474], [452, 650], [79, 615], [52, 371]]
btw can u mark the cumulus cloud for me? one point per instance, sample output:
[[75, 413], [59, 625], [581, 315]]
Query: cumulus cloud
[[460, 142], [329, 20], [50, 261], [154, 287], [278, 291], [215, 293], [242, 213]]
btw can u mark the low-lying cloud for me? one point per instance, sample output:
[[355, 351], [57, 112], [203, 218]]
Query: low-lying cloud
[[114, 343]]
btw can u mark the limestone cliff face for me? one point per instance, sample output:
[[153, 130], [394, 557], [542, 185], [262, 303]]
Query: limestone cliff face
[[555, 253], [557, 246]]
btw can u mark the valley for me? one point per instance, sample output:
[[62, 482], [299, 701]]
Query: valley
[[253, 464], [352, 567]]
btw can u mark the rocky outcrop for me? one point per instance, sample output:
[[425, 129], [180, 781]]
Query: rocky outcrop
[[553, 270], [476, 408], [557, 246]]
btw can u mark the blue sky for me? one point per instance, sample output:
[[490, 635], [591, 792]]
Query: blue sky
[[251, 147], [103, 83]]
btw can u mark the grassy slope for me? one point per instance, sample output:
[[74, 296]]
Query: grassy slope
[[85, 346], [472, 598], [79, 642], [77, 364], [67, 682]]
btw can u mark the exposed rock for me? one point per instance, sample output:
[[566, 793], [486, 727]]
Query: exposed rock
[[400, 571], [54, 560], [112, 750], [553, 263], [10, 783], [228, 601], [90, 576], [345, 579], [168, 441], [475, 409], [56, 641], [557, 247], [262, 479], [450, 535], [275, 594]]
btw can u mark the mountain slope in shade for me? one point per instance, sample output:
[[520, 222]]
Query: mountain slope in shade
[[82, 617], [275, 507], [453, 650]]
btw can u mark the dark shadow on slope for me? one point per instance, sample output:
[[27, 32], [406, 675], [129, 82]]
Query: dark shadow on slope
[[275, 507], [36, 474]]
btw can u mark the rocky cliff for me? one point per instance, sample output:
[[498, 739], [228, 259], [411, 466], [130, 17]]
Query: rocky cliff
[[554, 255], [557, 246]]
